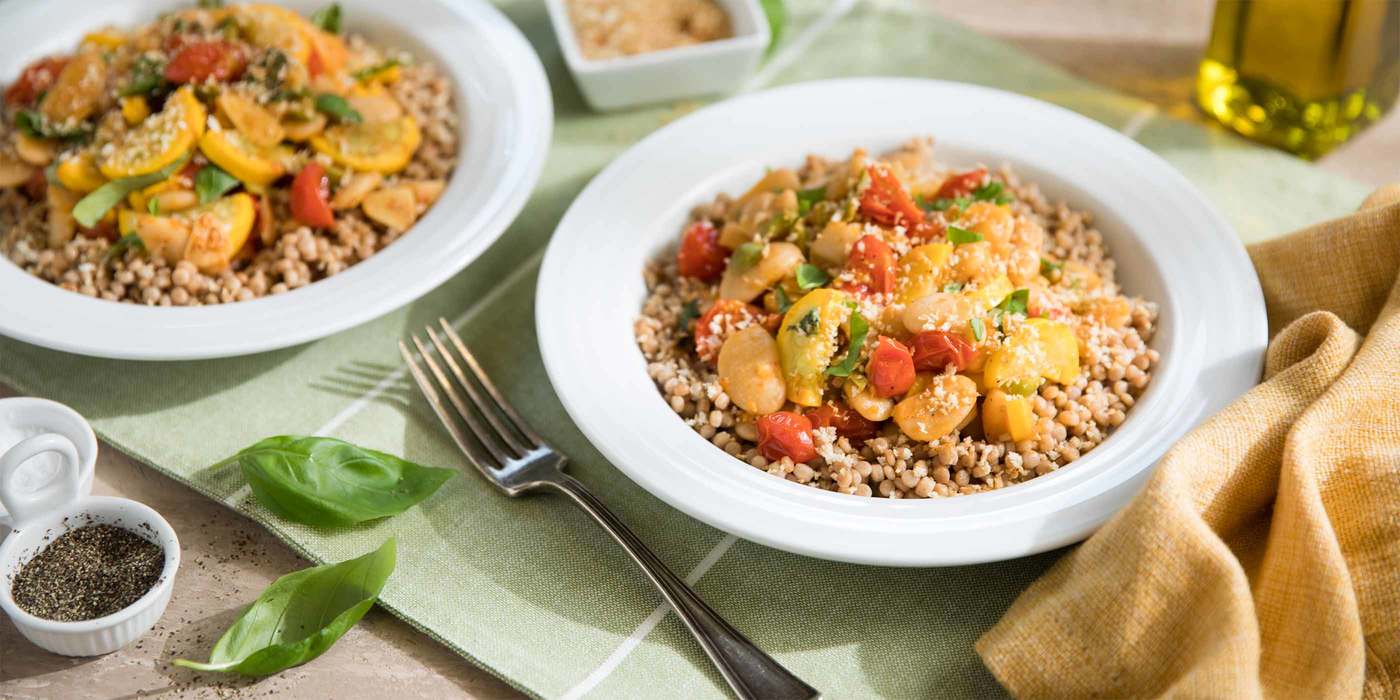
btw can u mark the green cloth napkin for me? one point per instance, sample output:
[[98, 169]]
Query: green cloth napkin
[[530, 589]]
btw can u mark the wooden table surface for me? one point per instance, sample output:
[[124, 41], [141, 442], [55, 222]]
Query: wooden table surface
[[1143, 47]]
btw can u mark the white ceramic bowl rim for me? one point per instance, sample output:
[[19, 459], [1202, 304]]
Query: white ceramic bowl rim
[[1170, 243], [506, 121], [165, 539]]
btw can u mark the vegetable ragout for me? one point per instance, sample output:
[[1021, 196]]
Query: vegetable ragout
[[218, 154], [886, 326]]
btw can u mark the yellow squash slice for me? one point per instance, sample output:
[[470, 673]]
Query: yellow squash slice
[[921, 271], [257, 125], [1037, 350], [218, 230], [807, 341], [232, 151], [158, 141], [1007, 414], [383, 147], [78, 172]]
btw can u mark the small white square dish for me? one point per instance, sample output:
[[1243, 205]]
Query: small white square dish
[[708, 68]]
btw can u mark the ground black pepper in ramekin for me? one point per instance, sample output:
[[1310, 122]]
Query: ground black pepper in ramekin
[[87, 573]]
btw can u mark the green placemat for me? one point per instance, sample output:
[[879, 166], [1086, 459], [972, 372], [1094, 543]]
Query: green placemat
[[532, 590]]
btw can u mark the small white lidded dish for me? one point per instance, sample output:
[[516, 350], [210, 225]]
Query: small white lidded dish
[[708, 68], [41, 511]]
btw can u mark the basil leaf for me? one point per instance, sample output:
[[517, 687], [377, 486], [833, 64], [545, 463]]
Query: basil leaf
[[784, 303], [211, 182], [153, 206], [952, 287], [90, 209], [328, 18], [210, 4], [810, 277], [808, 323], [327, 482], [364, 74], [130, 241], [993, 192], [338, 108], [300, 615], [689, 312], [147, 76], [776, 11], [859, 329], [806, 199], [959, 236], [1016, 302], [979, 332], [746, 256], [35, 126], [1048, 266]]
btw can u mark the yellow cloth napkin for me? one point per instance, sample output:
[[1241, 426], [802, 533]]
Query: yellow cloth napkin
[[1262, 559]]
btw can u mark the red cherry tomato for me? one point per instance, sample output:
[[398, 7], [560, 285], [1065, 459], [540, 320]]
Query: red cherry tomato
[[103, 229], [962, 184], [199, 61], [872, 264], [310, 195], [701, 256], [36, 78], [935, 350], [849, 424], [786, 434], [719, 322], [314, 65], [886, 202], [891, 367], [930, 229]]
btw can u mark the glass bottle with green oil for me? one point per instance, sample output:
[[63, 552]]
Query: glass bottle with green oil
[[1302, 75]]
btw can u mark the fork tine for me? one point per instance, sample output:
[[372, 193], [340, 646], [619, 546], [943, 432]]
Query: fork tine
[[478, 458], [482, 434], [505, 433], [506, 409]]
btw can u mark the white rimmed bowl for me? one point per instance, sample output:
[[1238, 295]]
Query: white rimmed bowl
[[44, 514], [506, 119], [1170, 244], [708, 68]]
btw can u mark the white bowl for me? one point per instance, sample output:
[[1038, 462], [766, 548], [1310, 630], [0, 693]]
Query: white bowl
[[503, 100], [1171, 247], [707, 68], [41, 515]]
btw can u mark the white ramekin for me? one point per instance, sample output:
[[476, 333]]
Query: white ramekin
[[42, 515], [710, 68]]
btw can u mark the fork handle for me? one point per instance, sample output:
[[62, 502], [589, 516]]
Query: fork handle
[[750, 672]]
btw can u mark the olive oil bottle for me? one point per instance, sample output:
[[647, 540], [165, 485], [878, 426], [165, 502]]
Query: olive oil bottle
[[1302, 75]]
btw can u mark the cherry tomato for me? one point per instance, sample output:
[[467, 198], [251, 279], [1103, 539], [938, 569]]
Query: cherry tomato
[[104, 229], [891, 367], [719, 322], [314, 65], [36, 78], [849, 424], [786, 434], [931, 228], [962, 184], [198, 61], [935, 350], [310, 192], [872, 263], [701, 256], [886, 202]]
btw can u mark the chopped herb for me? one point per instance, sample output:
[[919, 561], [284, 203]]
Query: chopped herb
[[153, 206], [979, 331], [1048, 266], [130, 241], [1016, 302], [364, 74], [859, 329], [338, 108], [90, 209], [147, 77], [784, 303], [993, 192], [958, 235], [227, 25], [810, 277], [952, 287], [211, 182], [689, 312], [35, 126], [746, 256], [328, 18], [210, 4], [807, 325], [806, 199]]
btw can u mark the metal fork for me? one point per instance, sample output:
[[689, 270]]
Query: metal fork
[[513, 457]]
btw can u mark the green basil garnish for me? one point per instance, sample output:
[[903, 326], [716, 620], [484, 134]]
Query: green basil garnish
[[746, 256], [1048, 266], [808, 323], [328, 18], [153, 206], [364, 74], [784, 303], [211, 183], [35, 126], [147, 76], [806, 199], [90, 209], [959, 236], [338, 108], [952, 287], [210, 4], [979, 332], [810, 277], [130, 241], [993, 191], [689, 312], [300, 616], [859, 329], [1016, 302], [327, 482]]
